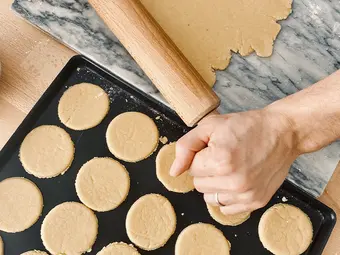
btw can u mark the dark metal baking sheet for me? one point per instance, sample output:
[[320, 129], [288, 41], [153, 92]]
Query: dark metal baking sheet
[[190, 208]]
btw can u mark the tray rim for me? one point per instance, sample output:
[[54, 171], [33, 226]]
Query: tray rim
[[329, 215]]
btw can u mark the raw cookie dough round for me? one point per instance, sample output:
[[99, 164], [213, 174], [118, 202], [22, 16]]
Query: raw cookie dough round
[[1, 246], [201, 238], [119, 248], [132, 136], [285, 229], [21, 204], [83, 106], [227, 220], [34, 252], [166, 156], [69, 228], [150, 222], [102, 184], [47, 151]]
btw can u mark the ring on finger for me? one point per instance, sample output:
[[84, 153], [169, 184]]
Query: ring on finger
[[217, 200]]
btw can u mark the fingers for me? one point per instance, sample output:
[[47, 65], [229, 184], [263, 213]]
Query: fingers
[[233, 203], [224, 198], [187, 146], [210, 162], [204, 163], [250, 200], [230, 198], [236, 182]]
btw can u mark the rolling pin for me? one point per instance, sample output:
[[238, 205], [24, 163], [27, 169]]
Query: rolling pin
[[153, 50]]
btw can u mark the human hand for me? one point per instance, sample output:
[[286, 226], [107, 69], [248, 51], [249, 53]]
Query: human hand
[[244, 157]]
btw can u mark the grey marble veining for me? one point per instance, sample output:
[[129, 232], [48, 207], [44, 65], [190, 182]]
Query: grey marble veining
[[307, 49]]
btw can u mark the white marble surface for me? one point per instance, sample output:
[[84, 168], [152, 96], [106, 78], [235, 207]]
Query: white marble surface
[[307, 49]]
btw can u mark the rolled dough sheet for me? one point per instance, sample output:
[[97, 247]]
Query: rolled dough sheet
[[1, 246], [21, 204], [34, 252], [47, 151], [132, 136], [102, 184], [207, 31], [119, 249], [69, 228], [201, 238], [150, 222], [227, 220], [285, 229], [83, 106], [165, 157]]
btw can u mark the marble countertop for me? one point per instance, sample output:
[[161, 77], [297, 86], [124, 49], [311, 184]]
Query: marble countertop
[[306, 50]]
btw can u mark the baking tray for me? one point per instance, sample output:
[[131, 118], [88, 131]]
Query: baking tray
[[190, 208]]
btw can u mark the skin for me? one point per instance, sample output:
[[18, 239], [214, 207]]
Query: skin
[[245, 157]]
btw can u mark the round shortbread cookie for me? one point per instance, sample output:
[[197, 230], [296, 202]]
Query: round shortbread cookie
[[285, 229], [132, 136], [47, 151], [21, 204], [1, 246], [102, 184], [227, 220], [70, 228], [34, 252], [201, 238], [119, 249], [150, 222], [166, 156], [83, 106]]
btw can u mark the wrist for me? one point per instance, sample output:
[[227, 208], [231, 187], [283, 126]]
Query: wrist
[[306, 127], [313, 114], [291, 125]]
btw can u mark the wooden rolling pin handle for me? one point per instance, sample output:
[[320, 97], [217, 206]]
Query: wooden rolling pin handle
[[174, 76]]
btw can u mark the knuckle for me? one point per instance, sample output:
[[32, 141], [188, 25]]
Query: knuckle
[[252, 196], [260, 203], [241, 185], [221, 170], [237, 188], [224, 164], [207, 198], [197, 185], [180, 144]]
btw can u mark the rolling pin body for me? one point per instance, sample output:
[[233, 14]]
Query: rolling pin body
[[174, 76]]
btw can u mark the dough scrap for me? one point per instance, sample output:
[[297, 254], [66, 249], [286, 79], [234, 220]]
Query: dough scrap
[[207, 31], [83, 106], [166, 156], [202, 238], [119, 249], [163, 139], [1, 246], [69, 228], [21, 204], [132, 136], [47, 151], [102, 184], [34, 252], [227, 220], [150, 222], [285, 229]]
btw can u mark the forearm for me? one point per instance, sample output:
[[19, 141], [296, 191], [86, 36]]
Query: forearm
[[313, 113]]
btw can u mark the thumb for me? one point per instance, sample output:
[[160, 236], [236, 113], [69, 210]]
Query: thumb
[[187, 147]]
